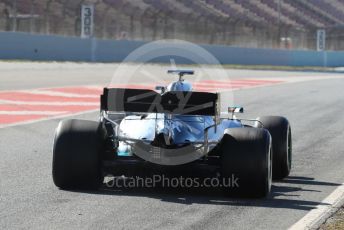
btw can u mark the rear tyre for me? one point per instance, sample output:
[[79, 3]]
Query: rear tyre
[[246, 155], [280, 131], [77, 150]]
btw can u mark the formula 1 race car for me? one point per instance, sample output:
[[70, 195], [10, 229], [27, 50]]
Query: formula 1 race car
[[169, 128]]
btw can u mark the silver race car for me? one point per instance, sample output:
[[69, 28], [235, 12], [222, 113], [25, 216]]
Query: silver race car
[[170, 129]]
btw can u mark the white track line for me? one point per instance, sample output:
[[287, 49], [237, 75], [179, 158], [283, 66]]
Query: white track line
[[53, 87], [95, 87], [61, 94], [32, 112], [317, 216], [48, 103], [47, 118]]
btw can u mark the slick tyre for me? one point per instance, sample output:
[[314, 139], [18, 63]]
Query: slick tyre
[[77, 151], [245, 154], [280, 131]]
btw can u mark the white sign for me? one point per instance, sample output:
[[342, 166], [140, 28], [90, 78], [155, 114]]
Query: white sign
[[321, 40], [87, 13]]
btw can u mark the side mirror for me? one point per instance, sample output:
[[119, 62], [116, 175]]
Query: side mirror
[[162, 89], [235, 109]]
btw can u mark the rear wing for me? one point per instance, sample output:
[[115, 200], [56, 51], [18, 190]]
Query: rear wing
[[149, 101]]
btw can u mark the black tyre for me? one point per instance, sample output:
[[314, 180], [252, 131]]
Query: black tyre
[[77, 151], [280, 131], [246, 155]]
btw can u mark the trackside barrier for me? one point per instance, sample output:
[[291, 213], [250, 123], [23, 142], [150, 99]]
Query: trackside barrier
[[16, 45]]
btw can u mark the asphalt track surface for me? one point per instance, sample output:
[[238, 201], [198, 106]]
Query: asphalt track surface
[[29, 199]]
